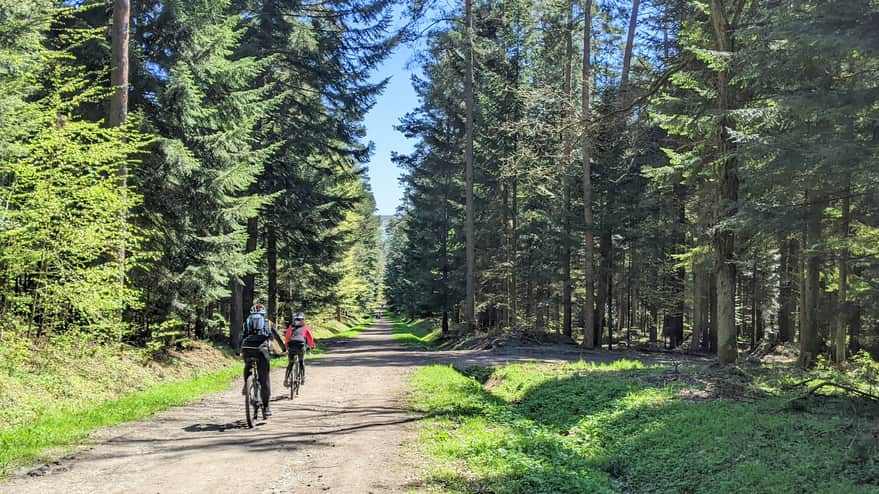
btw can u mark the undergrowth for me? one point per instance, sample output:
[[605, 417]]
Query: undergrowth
[[417, 333], [349, 328], [575, 428]]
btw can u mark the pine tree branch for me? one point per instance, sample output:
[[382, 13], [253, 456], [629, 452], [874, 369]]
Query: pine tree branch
[[654, 88]]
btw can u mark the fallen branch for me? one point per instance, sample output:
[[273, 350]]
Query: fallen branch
[[812, 391], [850, 389]]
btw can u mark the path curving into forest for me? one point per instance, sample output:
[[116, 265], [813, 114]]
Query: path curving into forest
[[346, 433]]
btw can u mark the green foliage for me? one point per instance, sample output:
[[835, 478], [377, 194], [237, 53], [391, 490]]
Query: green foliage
[[63, 221], [198, 179], [417, 333], [623, 428]]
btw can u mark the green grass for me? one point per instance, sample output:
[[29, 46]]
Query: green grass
[[63, 428], [354, 330], [576, 428], [323, 329], [416, 333]]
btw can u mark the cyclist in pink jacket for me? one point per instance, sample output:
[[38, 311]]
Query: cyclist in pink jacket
[[298, 335]]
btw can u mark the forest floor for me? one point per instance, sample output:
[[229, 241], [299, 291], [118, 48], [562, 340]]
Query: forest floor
[[349, 430]]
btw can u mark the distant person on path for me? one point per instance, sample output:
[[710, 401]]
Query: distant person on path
[[298, 335], [258, 333]]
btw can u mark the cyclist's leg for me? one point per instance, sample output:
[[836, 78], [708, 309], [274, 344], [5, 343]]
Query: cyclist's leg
[[300, 351], [262, 366], [290, 362]]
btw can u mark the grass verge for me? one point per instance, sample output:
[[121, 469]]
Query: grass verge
[[574, 428], [28, 444], [330, 329], [417, 333]]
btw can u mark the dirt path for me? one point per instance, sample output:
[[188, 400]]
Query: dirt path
[[344, 434]]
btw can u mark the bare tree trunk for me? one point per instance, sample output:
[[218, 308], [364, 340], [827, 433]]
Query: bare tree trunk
[[272, 261], [787, 249], [515, 242], [676, 321], [654, 321], [843, 312], [540, 320], [236, 313], [629, 306], [119, 35], [700, 305], [610, 305], [712, 309], [630, 40], [568, 164], [602, 275], [250, 246], [727, 351], [470, 303], [809, 344], [588, 237], [755, 337], [854, 342]]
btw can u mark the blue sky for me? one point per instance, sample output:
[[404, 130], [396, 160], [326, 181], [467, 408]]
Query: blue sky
[[399, 97]]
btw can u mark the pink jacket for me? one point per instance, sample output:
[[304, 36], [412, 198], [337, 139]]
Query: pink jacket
[[306, 333]]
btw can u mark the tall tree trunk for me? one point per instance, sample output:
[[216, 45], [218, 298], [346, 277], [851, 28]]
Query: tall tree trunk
[[676, 333], [610, 306], [604, 252], [568, 165], [272, 271], [630, 43], [119, 35], [843, 312], [755, 337], [588, 237], [236, 313], [700, 306], [514, 282], [809, 344], [470, 303], [630, 309], [788, 259], [540, 319], [653, 323], [250, 246], [728, 185], [712, 309], [854, 342]]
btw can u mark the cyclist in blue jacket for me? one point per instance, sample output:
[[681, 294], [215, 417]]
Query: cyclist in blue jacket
[[255, 344]]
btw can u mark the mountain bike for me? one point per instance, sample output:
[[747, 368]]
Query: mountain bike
[[252, 394], [293, 377]]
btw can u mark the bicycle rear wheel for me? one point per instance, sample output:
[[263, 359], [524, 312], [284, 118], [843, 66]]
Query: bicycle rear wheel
[[297, 378], [288, 376]]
